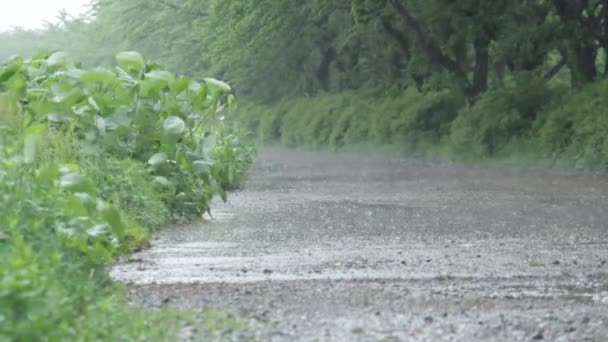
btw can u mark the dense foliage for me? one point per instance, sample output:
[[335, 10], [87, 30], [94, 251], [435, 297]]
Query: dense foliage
[[485, 56], [89, 159], [521, 122]]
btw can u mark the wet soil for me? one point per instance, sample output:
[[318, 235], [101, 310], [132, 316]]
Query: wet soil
[[332, 247]]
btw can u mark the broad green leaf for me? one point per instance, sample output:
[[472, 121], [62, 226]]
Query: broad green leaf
[[162, 181], [74, 73], [68, 168], [123, 75], [180, 85], [194, 86], [160, 75], [209, 144], [77, 183], [32, 141], [231, 101], [131, 60], [55, 117], [93, 103], [8, 72], [59, 58], [70, 180], [18, 85], [200, 98], [218, 85], [48, 173], [174, 125], [102, 229], [100, 123], [158, 159], [202, 167], [99, 76]]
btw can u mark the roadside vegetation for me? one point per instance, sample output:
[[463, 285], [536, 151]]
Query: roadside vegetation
[[519, 80], [90, 161], [534, 124]]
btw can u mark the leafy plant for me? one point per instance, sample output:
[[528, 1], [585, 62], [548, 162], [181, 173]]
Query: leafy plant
[[88, 157]]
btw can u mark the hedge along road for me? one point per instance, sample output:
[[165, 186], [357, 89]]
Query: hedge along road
[[322, 246]]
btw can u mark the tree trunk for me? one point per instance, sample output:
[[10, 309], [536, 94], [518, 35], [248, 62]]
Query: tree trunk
[[323, 72], [482, 65], [499, 69], [605, 37], [582, 63], [582, 49]]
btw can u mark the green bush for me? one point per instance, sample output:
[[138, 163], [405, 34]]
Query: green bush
[[523, 118], [576, 127], [502, 116], [338, 120], [129, 186]]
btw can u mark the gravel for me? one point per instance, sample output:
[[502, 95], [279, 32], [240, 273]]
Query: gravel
[[333, 247]]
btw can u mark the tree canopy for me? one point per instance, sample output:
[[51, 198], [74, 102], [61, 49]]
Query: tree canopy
[[271, 49]]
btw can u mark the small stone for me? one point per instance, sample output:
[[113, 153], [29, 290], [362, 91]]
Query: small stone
[[557, 263], [539, 336], [267, 271], [403, 263], [428, 320], [429, 260]]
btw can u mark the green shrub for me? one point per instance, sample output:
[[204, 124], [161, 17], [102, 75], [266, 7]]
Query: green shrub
[[354, 116], [129, 186], [576, 127], [521, 117], [501, 116], [424, 118], [337, 120]]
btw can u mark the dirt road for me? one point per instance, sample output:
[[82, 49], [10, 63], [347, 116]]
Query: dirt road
[[326, 247]]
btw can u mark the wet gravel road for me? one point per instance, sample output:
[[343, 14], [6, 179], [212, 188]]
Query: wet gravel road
[[327, 247]]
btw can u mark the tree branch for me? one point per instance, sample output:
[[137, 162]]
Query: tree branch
[[430, 47], [555, 69], [399, 37]]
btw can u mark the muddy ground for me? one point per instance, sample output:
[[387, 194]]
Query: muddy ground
[[328, 247]]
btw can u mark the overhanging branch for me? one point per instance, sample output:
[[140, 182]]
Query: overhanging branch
[[429, 46]]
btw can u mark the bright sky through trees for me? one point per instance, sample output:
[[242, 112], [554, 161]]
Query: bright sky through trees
[[32, 14]]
